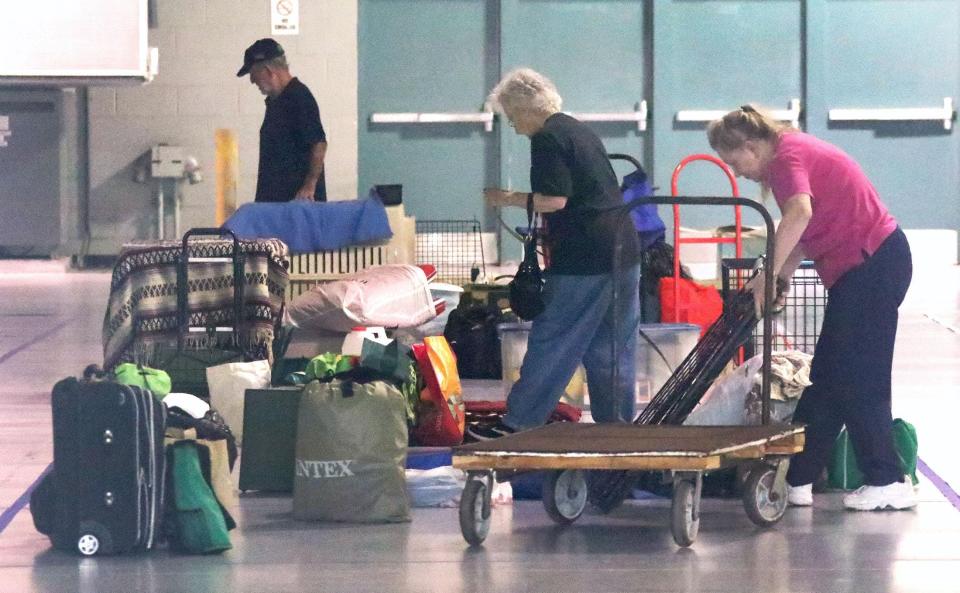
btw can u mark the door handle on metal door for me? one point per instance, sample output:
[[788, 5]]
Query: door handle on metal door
[[944, 113], [790, 114], [639, 115], [483, 117]]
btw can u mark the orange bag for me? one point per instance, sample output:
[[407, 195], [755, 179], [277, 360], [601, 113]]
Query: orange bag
[[441, 416], [700, 305]]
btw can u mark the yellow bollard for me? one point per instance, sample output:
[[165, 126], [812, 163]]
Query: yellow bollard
[[228, 167]]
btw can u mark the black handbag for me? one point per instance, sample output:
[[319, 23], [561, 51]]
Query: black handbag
[[526, 288]]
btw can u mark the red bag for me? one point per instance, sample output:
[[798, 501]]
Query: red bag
[[700, 305], [441, 415]]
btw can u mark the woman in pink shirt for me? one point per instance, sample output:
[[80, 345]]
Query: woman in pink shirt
[[831, 214]]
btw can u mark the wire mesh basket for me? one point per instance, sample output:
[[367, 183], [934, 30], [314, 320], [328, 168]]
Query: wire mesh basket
[[797, 326], [455, 247]]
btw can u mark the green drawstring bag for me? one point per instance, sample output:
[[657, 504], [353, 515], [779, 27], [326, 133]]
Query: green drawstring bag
[[843, 472], [200, 525], [154, 380], [325, 366]]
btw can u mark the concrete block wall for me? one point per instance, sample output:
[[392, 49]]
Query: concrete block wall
[[201, 44]]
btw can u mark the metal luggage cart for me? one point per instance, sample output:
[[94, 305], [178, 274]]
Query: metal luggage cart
[[686, 452], [653, 442]]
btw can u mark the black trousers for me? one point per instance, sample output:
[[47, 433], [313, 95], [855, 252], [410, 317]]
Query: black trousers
[[852, 366]]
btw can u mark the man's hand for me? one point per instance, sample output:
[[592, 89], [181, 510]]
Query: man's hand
[[305, 193], [497, 198], [502, 197]]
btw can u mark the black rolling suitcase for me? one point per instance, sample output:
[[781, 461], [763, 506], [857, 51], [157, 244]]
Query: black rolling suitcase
[[105, 493]]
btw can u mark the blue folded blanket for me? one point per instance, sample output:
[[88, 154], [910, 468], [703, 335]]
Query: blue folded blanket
[[312, 226]]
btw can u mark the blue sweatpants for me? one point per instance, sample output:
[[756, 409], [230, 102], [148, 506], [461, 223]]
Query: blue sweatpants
[[578, 326], [852, 366]]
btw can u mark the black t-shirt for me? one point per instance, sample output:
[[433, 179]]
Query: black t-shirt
[[568, 159], [291, 127]]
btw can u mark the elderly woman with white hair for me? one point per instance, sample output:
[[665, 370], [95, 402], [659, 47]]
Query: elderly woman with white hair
[[573, 184]]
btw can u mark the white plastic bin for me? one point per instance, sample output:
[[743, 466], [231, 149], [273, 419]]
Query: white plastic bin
[[513, 347], [675, 340]]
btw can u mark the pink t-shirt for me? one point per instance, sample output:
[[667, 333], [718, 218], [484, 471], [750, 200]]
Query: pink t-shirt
[[848, 217]]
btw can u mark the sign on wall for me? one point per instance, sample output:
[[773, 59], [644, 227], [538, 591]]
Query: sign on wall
[[4, 129], [285, 17]]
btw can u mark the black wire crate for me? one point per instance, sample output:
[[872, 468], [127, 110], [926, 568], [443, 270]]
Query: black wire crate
[[797, 325], [455, 247]]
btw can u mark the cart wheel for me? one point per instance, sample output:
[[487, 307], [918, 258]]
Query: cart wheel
[[683, 523], [565, 495], [475, 511], [764, 504]]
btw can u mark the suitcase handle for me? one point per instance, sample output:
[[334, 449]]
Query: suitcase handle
[[236, 257], [220, 233]]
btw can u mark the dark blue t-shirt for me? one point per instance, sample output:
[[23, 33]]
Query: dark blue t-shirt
[[568, 159], [291, 127]]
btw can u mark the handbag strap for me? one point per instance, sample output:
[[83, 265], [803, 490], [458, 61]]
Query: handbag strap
[[531, 239]]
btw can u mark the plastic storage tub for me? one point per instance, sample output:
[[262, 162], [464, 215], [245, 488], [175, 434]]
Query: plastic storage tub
[[513, 347], [675, 340]]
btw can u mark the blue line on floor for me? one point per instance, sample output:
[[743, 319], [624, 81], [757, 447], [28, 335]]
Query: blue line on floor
[[7, 516], [7, 355], [944, 488]]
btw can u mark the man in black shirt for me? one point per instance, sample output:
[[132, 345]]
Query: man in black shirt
[[574, 185], [292, 141]]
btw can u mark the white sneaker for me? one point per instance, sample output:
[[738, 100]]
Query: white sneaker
[[897, 496], [800, 496]]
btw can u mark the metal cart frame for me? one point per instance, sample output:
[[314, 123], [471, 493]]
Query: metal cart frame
[[766, 447]]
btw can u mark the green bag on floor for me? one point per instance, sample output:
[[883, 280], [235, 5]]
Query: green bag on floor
[[154, 380], [201, 527], [843, 473], [350, 454]]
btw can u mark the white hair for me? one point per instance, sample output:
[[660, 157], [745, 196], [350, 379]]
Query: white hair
[[525, 91]]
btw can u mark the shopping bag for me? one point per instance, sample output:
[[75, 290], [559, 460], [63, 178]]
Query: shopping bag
[[350, 454], [697, 303], [389, 362], [843, 471], [228, 383], [441, 416], [199, 524]]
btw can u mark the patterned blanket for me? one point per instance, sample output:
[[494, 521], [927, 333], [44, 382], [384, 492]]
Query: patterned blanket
[[141, 321]]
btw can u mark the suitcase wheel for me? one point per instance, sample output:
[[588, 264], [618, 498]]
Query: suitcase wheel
[[93, 540], [88, 544]]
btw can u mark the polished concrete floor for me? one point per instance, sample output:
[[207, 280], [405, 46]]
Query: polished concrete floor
[[50, 327]]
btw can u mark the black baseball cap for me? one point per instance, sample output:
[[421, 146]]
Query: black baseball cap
[[262, 49]]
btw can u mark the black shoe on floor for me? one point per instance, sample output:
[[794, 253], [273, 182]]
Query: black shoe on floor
[[486, 432]]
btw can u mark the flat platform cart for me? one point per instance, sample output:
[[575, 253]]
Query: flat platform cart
[[684, 452], [657, 439]]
